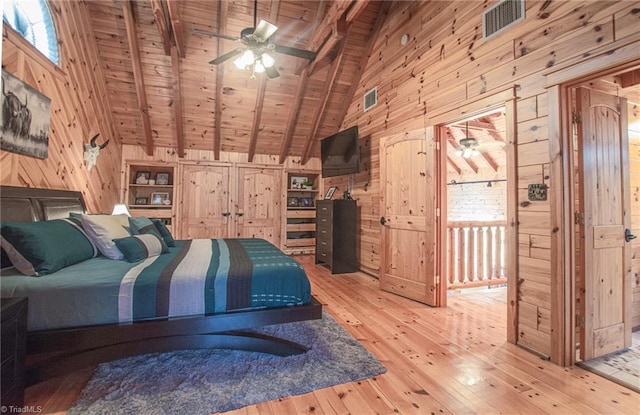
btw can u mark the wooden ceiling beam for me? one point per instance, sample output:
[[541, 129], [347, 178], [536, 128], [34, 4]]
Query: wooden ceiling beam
[[176, 26], [161, 23], [262, 87], [132, 38], [177, 101], [223, 9], [366, 52], [293, 115], [454, 165], [324, 55], [320, 109]]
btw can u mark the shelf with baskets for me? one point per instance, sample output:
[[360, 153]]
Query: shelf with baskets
[[150, 190], [300, 224]]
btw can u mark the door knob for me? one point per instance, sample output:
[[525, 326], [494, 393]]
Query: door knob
[[383, 221], [628, 236]]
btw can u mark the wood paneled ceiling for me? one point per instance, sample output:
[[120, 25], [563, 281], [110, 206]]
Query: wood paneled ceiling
[[164, 93]]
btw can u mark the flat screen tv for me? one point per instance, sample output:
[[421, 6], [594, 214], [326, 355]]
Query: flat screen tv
[[340, 153]]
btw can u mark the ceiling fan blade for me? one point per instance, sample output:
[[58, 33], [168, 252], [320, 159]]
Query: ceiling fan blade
[[271, 72], [300, 53], [264, 30], [213, 34], [227, 56]]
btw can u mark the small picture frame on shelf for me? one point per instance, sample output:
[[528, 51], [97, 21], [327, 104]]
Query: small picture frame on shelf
[[160, 198], [306, 202], [163, 178], [330, 192], [141, 201], [293, 202], [142, 177], [297, 182]]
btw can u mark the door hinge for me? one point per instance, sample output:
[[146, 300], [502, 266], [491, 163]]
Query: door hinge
[[577, 118], [437, 212], [437, 278], [578, 218], [437, 145]]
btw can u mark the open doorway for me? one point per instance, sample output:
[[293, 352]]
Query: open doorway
[[476, 195]]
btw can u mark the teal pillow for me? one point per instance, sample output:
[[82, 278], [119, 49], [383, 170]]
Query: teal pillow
[[41, 248], [164, 232], [143, 225], [138, 247]]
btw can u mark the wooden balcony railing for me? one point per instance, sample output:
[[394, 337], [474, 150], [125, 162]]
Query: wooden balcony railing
[[476, 254]]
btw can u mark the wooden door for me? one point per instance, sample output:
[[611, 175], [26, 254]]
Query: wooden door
[[605, 283], [205, 205], [408, 206], [259, 209]]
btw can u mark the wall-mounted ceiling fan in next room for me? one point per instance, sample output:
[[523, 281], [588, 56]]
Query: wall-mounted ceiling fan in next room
[[256, 50]]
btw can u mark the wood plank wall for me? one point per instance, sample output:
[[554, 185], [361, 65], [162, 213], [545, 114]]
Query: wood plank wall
[[634, 167], [446, 63], [79, 110]]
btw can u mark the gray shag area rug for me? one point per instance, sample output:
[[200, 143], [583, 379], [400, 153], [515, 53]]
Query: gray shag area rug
[[207, 381]]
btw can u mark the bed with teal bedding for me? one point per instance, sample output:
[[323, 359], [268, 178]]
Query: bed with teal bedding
[[196, 277], [202, 293]]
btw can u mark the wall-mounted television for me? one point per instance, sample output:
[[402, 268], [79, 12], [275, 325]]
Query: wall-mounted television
[[340, 153]]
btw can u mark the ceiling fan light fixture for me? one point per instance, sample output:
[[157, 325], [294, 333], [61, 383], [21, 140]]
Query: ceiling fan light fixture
[[259, 67], [267, 60]]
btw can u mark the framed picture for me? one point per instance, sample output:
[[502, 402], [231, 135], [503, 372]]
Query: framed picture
[[162, 178], [160, 198], [293, 202], [142, 177], [141, 201], [297, 182], [306, 202], [25, 119], [330, 192]]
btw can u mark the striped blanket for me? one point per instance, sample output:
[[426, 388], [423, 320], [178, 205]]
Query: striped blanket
[[204, 276]]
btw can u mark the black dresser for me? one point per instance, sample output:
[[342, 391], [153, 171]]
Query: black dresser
[[336, 235], [14, 345]]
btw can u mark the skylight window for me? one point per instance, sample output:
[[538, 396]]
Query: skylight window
[[32, 19]]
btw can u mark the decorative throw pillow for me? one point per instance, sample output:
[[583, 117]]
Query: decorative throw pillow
[[138, 247], [103, 229], [143, 225], [40, 248], [164, 232]]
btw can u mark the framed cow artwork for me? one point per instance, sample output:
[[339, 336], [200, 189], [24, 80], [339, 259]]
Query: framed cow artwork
[[26, 114]]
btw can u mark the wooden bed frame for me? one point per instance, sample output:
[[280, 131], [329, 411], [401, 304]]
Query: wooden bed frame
[[52, 353]]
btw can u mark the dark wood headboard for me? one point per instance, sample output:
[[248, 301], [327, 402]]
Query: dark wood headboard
[[26, 204]]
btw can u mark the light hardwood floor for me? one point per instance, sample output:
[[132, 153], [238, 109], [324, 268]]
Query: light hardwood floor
[[450, 360]]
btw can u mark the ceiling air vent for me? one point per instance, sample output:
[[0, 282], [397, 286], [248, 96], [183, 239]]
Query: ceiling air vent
[[501, 16], [370, 99]]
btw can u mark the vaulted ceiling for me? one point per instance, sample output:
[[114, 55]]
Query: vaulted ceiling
[[163, 91]]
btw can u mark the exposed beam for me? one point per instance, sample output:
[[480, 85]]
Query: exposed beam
[[161, 23], [319, 111], [177, 101], [262, 87], [630, 78], [223, 8], [453, 165], [323, 57], [375, 33], [176, 26], [293, 115], [132, 38]]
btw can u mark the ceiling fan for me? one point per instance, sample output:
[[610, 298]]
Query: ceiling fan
[[255, 51], [470, 147]]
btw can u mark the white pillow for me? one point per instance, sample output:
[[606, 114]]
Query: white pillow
[[103, 229]]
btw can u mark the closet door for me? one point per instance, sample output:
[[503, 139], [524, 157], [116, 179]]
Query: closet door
[[258, 210], [205, 203]]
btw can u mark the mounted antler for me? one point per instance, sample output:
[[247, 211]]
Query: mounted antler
[[92, 150]]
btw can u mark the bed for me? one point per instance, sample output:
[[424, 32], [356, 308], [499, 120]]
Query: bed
[[102, 309]]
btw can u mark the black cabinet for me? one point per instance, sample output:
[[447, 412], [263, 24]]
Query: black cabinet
[[14, 345], [336, 235]]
